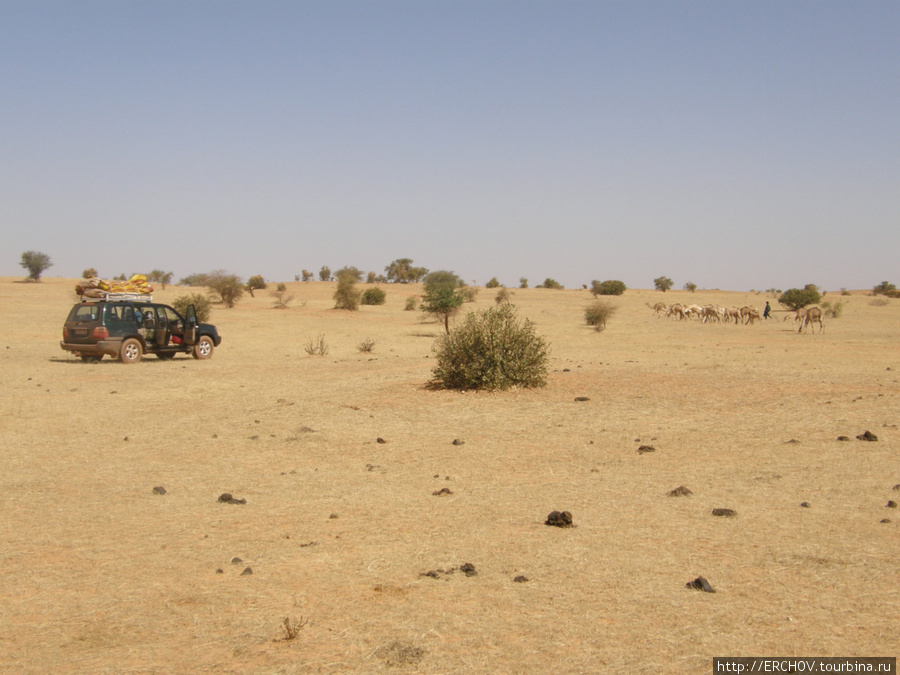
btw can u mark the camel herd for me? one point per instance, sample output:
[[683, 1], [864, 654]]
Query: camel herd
[[738, 316]]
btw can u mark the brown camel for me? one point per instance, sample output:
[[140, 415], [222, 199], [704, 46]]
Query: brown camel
[[660, 308], [813, 315], [677, 309]]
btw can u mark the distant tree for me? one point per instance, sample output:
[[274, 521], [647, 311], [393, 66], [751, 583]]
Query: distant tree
[[690, 286], [255, 283], [200, 302], [36, 263], [89, 273], [226, 288], [523, 282], [662, 284], [885, 288], [550, 283], [308, 276], [325, 273], [347, 296], [795, 298], [609, 287], [402, 271], [493, 283], [502, 296], [282, 297], [598, 313], [194, 280], [371, 278], [373, 296], [160, 277], [441, 296]]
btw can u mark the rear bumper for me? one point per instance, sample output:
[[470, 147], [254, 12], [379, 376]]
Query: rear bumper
[[109, 347]]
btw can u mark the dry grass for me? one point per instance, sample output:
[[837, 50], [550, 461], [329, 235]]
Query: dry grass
[[102, 575]]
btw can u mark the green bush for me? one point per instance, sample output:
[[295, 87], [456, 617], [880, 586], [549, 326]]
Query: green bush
[[608, 287], [89, 273], [441, 297], [469, 293], [598, 313], [502, 295], [411, 303], [346, 296], [662, 284], [201, 303], [255, 283], [795, 298], [833, 310], [551, 283], [373, 296], [491, 350], [226, 288], [493, 283]]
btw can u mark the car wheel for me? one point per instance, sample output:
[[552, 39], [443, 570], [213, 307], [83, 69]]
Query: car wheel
[[204, 348], [91, 358], [165, 356], [131, 351]]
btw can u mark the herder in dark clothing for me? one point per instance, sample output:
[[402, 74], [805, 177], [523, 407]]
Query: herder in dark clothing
[[766, 310]]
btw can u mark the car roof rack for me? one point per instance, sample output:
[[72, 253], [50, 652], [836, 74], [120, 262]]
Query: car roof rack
[[133, 297]]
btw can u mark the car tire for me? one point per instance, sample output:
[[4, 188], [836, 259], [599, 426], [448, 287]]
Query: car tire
[[91, 358], [131, 351], [204, 348]]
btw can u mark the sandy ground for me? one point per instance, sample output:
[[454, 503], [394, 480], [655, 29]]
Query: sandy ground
[[340, 531]]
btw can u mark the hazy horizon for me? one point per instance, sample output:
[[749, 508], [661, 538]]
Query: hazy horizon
[[737, 146]]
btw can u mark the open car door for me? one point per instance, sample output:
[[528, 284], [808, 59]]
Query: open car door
[[190, 326]]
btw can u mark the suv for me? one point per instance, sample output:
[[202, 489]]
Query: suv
[[129, 326]]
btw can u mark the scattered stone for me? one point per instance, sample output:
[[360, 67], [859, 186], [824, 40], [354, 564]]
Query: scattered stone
[[226, 498], [220, 571], [431, 573], [805, 505], [891, 504], [521, 579], [896, 487], [457, 441], [442, 491], [885, 520], [700, 584], [333, 516], [727, 513], [680, 491], [646, 448], [582, 399], [793, 440], [159, 490], [468, 569], [867, 436], [380, 440], [236, 561], [247, 571], [559, 519], [843, 438]]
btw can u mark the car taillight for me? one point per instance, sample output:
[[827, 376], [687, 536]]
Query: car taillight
[[65, 333], [100, 333]]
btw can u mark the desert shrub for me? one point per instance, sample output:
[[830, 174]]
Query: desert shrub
[[662, 283], [366, 345], [224, 287], [469, 293], [608, 287], [281, 296], [491, 350], [411, 303], [493, 283], [795, 298], [201, 303], [90, 273], [523, 282], [551, 283], [879, 302], [833, 310], [316, 346], [306, 275], [598, 313], [692, 287], [347, 296], [325, 273], [442, 298], [193, 280], [886, 288], [402, 271], [36, 263], [255, 283], [373, 296], [502, 295]]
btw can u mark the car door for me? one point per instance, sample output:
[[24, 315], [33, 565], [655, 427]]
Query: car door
[[190, 326], [162, 327]]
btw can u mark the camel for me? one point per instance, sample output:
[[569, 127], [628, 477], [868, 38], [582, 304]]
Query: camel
[[677, 309], [813, 315], [710, 313], [753, 316], [746, 312], [799, 315], [660, 308], [733, 313]]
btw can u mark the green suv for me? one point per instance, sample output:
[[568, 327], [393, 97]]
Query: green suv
[[128, 327]]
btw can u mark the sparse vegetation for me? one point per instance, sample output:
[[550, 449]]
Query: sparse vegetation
[[194, 280], [469, 293], [36, 263], [608, 287], [225, 288], [347, 296], [550, 283], [502, 295], [833, 309], [325, 273], [281, 296], [200, 301], [411, 303], [316, 346], [160, 277], [598, 313], [886, 288], [441, 297], [493, 283], [491, 350], [366, 345], [523, 282], [255, 283], [373, 296], [663, 284], [795, 298], [306, 275], [292, 628], [692, 287], [402, 271], [90, 273]]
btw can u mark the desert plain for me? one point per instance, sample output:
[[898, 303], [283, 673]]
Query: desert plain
[[345, 560]]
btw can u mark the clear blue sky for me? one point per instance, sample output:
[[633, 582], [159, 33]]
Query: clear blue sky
[[734, 144]]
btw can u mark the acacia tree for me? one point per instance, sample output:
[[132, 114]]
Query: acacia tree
[[36, 263], [663, 284], [227, 287], [160, 277], [347, 296], [402, 271], [441, 296], [690, 286], [255, 283], [795, 298]]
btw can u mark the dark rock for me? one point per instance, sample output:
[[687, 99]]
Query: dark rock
[[458, 441], [559, 519], [805, 505], [843, 438], [896, 487], [727, 513], [700, 584], [431, 573], [680, 491], [236, 561], [220, 571], [226, 498], [885, 520], [581, 399], [442, 491], [333, 516], [646, 448], [891, 504], [159, 490], [469, 569], [521, 579], [380, 440], [247, 571], [867, 436]]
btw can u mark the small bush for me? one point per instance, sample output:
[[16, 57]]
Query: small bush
[[609, 287], [281, 296], [691, 287], [469, 293], [201, 303], [493, 283], [317, 346], [411, 303], [373, 296], [598, 313], [523, 282], [366, 345], [502, 296], [833, 310], [255, 283], [879, 302], [551, 283], [347, 296], [491, 350], [89, 273], [325, 273]]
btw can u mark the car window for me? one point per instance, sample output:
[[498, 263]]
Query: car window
[[114, 312], [85, 312], [172, 314]]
